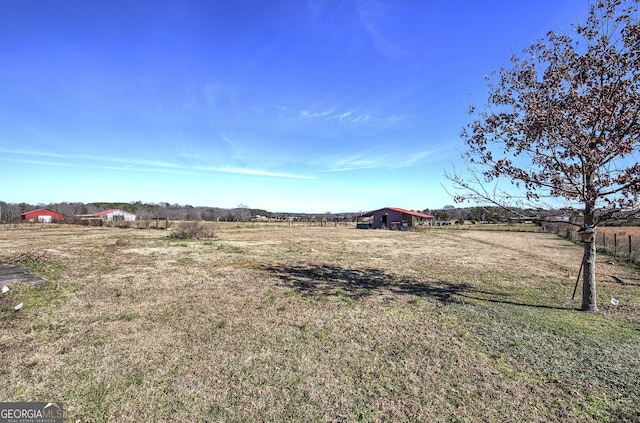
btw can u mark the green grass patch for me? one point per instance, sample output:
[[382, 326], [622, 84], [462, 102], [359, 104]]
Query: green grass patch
[[564, 345], [129, 317], [229, 248], [41, 296], [50, 270]]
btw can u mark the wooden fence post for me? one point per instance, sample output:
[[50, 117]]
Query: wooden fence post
[[630, 249]]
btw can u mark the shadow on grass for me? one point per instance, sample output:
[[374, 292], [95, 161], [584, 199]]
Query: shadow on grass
[[622, 282], [325, 280], [502, 301]]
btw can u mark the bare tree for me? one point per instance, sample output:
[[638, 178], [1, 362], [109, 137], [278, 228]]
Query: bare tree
[[242, 212], [563, 122]]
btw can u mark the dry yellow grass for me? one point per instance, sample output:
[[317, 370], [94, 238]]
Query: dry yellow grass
[[620, 240], [625, 230], [312, 324]]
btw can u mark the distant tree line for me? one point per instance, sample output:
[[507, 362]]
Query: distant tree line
[[489, 214], [11, 213]]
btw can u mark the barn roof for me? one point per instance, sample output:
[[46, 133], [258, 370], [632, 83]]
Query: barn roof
[[41, 210], [405, 211]]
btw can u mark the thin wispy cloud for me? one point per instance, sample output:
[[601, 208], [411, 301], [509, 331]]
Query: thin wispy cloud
[[327, 115], [80, 161], [347, 164], [421, 157], [370, 11], [367, 160], [257, 172], [89, 157], [314, 115], [348, 116], [395, 119], [94, 166]]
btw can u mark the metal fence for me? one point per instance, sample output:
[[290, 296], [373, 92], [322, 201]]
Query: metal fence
[[612, 240]]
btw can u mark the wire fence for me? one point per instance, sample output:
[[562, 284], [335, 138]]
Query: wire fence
[[618, 241]]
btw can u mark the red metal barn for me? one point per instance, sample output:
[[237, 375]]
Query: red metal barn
[[42, 216], [392, 218]]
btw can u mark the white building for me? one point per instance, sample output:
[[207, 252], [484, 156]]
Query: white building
[[115, 214]]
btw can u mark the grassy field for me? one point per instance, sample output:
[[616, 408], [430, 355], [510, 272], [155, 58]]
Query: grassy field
[[316, 324], [513, 227]]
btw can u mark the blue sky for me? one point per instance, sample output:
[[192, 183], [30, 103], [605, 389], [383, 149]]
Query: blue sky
[[292, 105]]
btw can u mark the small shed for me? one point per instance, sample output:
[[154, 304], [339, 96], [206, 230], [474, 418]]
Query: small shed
[[41, 216], [392, 218], [115, 215]]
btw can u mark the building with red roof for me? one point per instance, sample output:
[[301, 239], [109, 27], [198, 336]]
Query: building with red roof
[[41, 216]]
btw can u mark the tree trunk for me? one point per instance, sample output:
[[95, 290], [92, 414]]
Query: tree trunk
[[589, 302]]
